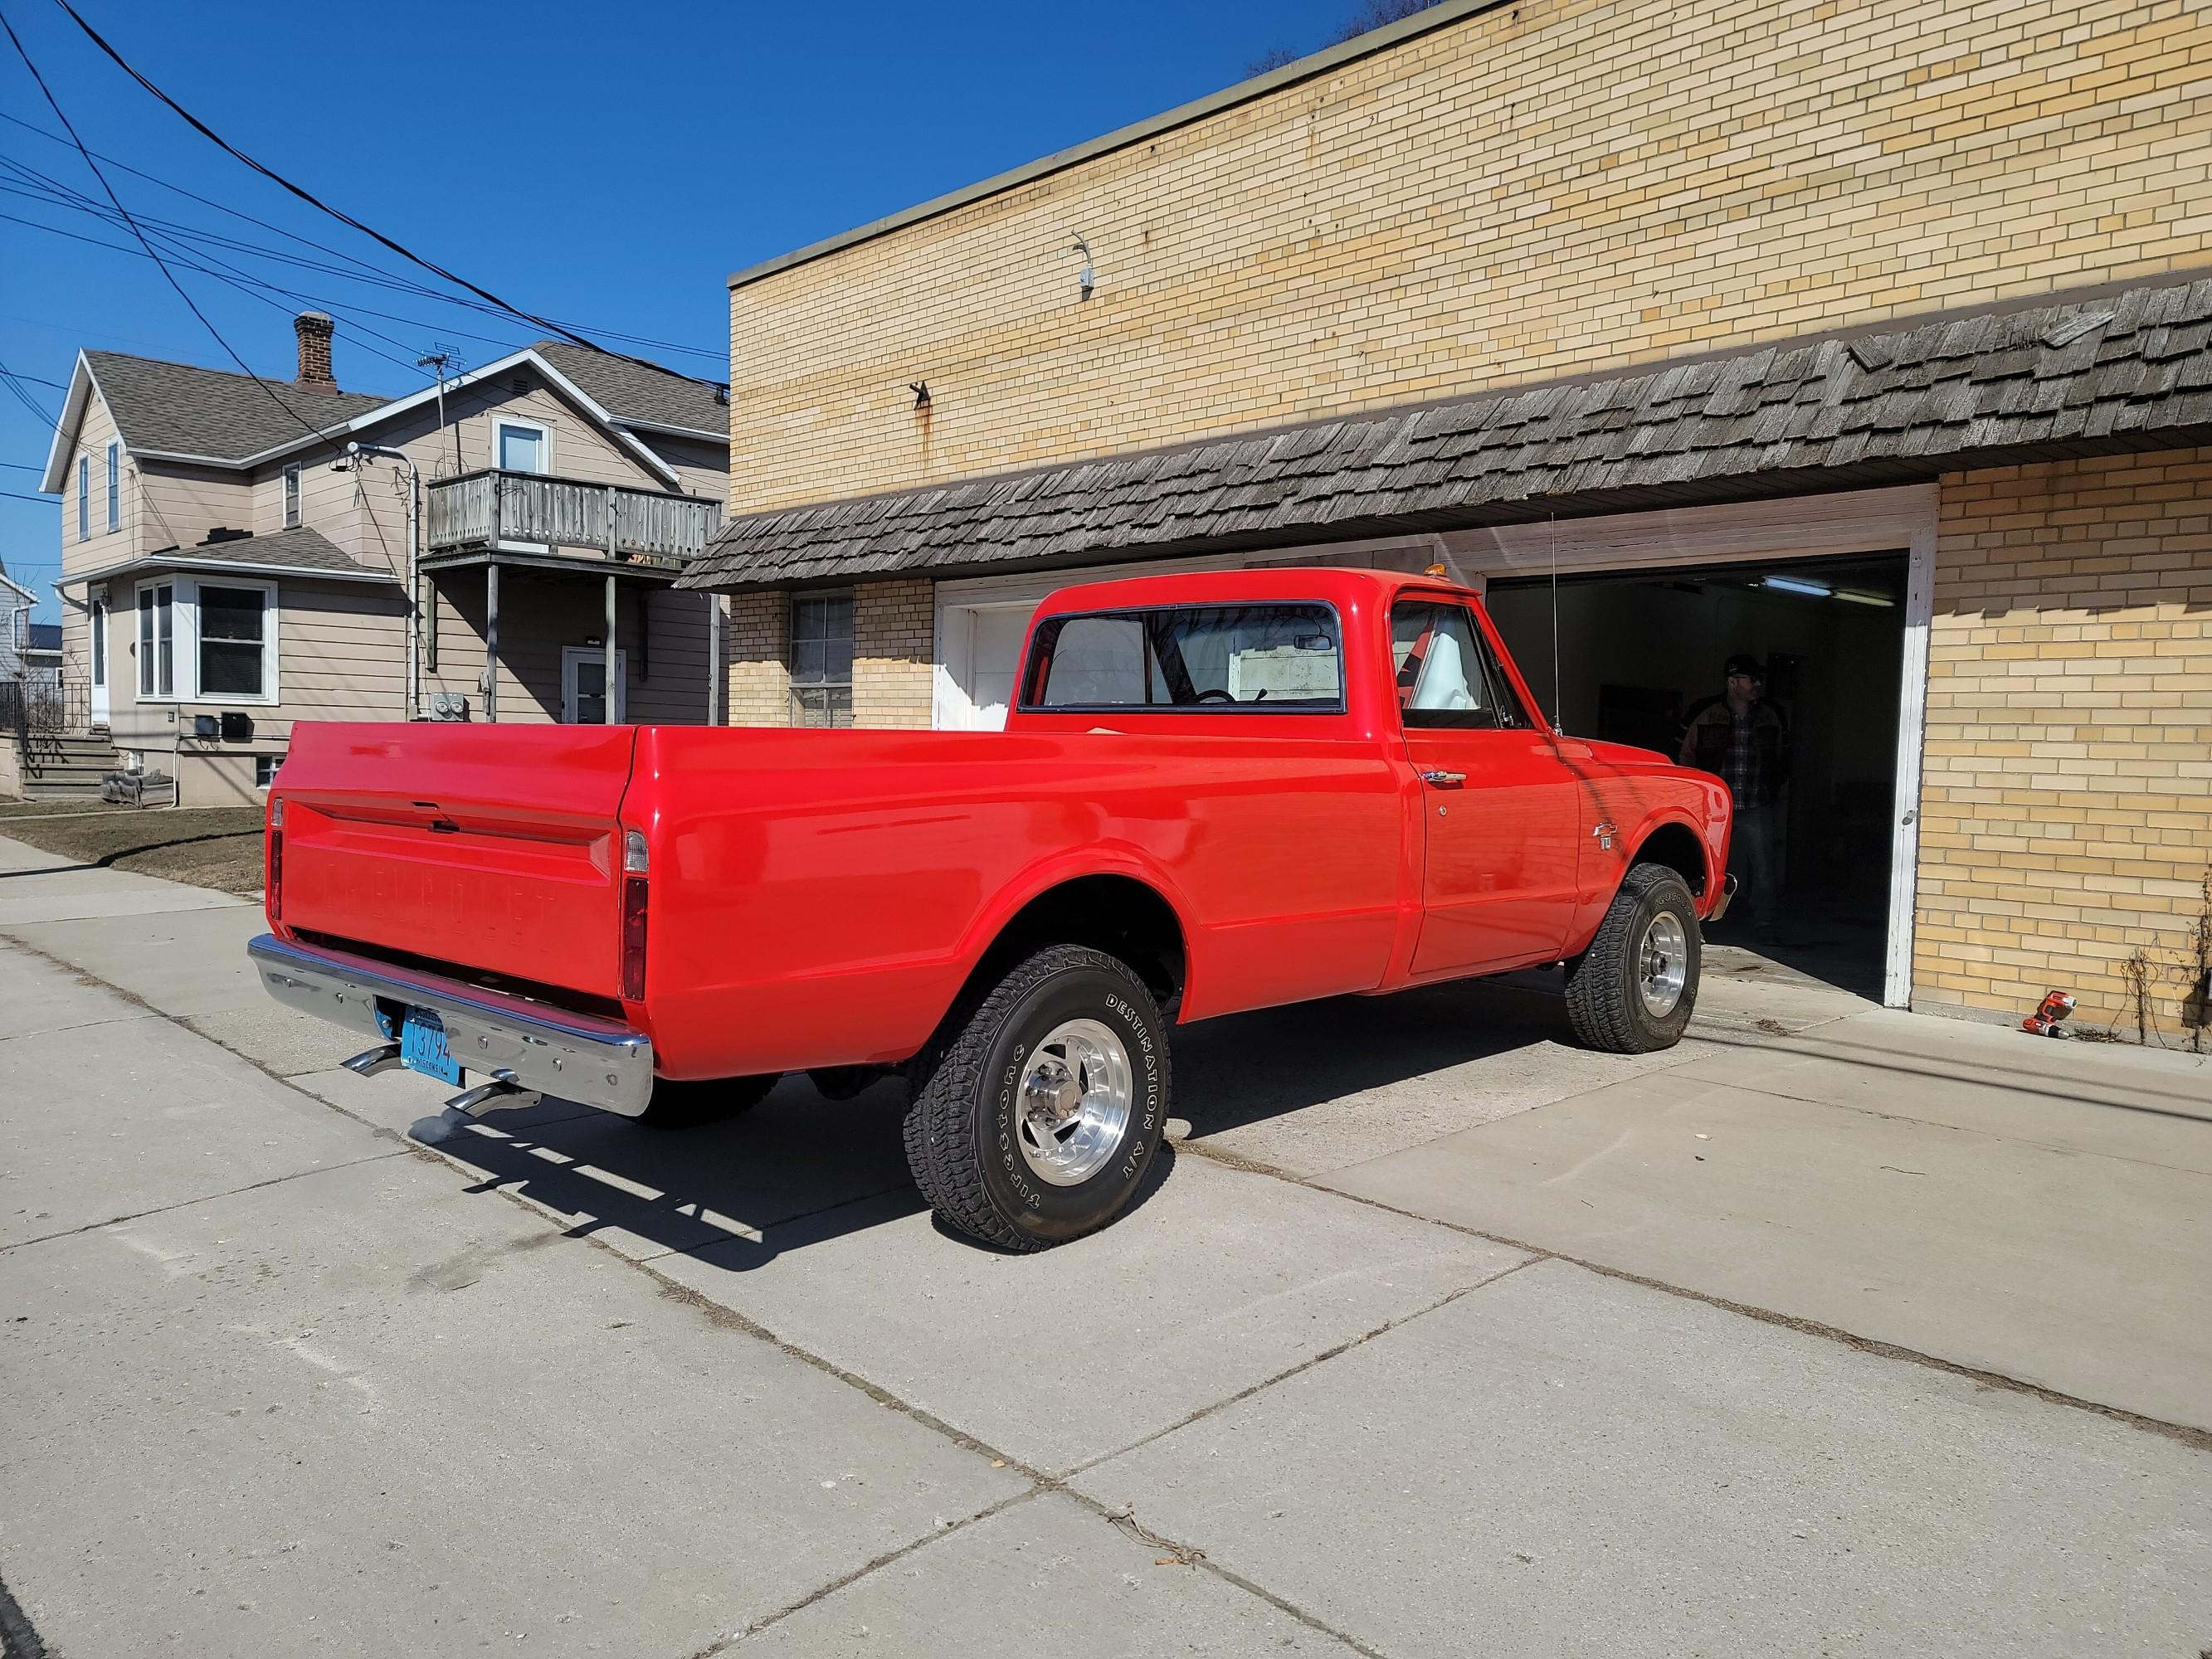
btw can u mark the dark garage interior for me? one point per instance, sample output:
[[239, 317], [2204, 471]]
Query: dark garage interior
[[1639, 651]]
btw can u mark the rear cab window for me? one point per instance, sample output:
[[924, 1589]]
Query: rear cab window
[[1283, 658], [1448, 676]]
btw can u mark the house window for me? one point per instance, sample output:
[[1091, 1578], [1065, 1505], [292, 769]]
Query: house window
[[292, 496], [265, 769], [224, 634], [84, 498], [233, 641], [821, 659], [115, 486], [157, 651], [523, 445], [96, 618]]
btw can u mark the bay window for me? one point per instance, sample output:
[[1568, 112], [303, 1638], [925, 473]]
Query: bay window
[[207, 642]]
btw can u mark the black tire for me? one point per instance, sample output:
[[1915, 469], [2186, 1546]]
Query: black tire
[[1606, 988], [689, 1105], [963, 1132]]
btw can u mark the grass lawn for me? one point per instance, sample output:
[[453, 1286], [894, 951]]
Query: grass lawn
[[217, 847]]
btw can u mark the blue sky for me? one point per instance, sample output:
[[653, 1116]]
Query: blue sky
[[607, 166]]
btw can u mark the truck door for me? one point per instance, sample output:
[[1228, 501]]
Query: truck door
[[1499, 803]]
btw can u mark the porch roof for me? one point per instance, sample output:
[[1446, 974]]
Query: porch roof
[[2095, 374]]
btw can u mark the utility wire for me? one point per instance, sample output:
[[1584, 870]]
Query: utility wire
[[375, 274], [35, 380], [18, 496], [316, 202], [190, 304]]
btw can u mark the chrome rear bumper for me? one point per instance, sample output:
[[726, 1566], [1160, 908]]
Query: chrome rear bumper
[[593, 1062]]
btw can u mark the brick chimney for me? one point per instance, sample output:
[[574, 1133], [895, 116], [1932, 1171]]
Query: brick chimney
[[313, 329]]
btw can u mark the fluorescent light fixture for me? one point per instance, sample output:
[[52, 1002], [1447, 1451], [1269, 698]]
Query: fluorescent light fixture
[[1799, 584], [1881, 600]]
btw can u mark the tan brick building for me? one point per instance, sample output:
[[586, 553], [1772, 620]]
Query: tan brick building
[[1870, 334]]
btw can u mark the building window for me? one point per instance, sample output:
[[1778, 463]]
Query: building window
[[157, 649], [115, 486], [84, 498], [523, 445], [821, 659], [233, 641], [222, 634], [292, 496], [96, 620], [265, 769]]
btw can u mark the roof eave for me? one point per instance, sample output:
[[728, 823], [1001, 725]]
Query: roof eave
[[55, 479], [229, 567]]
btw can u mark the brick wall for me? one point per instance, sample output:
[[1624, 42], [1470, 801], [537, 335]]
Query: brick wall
[[1554, 186], [2066, 819], [893, 640], [759, 643]]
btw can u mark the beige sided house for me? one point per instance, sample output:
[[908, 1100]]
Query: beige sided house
[[230, 567], [1872, 337]]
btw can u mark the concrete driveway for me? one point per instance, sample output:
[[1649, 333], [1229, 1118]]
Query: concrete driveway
[[1833, 1330]]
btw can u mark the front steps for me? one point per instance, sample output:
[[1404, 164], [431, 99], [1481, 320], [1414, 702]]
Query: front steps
[[65, 768]]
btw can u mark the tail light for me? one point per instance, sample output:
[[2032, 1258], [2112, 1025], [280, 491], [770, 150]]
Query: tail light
[[272, 884], [635, 858]]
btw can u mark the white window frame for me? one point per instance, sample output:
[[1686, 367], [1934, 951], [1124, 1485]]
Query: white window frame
[[145, 682], [184, 636], [526, 423], [288, 487], [114, 483], [84, 498], [97, 640]]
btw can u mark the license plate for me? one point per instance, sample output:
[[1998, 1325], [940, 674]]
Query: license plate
[[423, 1045]]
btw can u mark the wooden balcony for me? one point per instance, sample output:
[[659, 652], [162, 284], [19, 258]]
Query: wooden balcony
[[527, 511]]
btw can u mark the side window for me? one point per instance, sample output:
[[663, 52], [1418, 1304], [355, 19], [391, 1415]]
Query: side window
[[291, 497], [1097, 662], [1448, 676]]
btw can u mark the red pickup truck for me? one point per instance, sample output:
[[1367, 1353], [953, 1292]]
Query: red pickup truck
[[1214, 792]]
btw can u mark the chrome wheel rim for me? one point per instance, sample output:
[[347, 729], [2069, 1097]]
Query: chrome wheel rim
[[1074, 1102], [1662, 965]]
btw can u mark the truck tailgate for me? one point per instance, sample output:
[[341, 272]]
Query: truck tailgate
[[494, 848]]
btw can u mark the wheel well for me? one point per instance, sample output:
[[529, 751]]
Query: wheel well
[[1117, 914], [1677, 847]]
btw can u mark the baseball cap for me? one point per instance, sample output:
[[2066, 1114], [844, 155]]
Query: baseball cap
[[1744, 663]]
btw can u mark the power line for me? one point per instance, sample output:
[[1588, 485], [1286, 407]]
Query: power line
[[190, 304], [18, 496], [316, 202], [36, 379], [374, 274], [22, 466]]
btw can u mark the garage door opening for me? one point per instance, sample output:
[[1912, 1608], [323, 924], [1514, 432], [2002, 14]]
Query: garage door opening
[[1640, 652]]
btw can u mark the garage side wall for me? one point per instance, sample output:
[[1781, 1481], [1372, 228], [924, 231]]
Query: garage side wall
[[2066, 806]]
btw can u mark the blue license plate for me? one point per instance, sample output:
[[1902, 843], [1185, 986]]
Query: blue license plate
[[423, 1045]]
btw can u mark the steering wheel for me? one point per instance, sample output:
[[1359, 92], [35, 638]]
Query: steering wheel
[[1215, 694]]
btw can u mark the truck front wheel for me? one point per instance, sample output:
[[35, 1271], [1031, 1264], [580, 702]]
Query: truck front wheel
[[678, 1105], [1036, 1122], [1634, 988]]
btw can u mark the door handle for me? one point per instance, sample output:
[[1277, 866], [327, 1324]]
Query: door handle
[[1443, 780]]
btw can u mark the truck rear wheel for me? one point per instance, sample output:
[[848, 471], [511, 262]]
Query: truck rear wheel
[[678, 1105], [1634, 988], [1036, 1122]]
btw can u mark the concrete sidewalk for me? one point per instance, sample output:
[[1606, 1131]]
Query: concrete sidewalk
[[1434, 1335]]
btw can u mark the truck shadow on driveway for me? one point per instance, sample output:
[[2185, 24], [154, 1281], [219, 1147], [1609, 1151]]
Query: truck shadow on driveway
[[799, 1169]]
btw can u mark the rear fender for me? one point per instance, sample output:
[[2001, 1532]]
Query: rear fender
[[1112, 859]]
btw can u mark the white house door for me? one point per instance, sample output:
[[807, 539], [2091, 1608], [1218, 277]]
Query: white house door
[[98, 621], [584, 687], [994, 654]]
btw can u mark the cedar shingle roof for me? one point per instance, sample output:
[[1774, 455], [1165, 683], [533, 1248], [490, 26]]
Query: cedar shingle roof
[[630, 392], [178, 409], [2130, 371]]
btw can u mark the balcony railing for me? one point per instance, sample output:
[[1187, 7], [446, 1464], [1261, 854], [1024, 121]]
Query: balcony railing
[[484, 509]]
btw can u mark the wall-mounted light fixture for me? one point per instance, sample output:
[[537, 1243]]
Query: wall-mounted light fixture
[[921, 390], [1087, 276]]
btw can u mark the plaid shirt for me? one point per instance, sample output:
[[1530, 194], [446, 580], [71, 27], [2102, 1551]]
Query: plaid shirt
[[1747, 751]]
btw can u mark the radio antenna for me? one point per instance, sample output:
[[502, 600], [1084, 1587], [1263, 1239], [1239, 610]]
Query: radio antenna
[[1552, 538]]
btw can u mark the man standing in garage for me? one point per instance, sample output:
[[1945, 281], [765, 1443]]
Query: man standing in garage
[[1744, 740]]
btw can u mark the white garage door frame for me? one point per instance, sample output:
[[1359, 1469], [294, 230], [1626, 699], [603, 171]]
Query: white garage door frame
[[1790, 527]]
